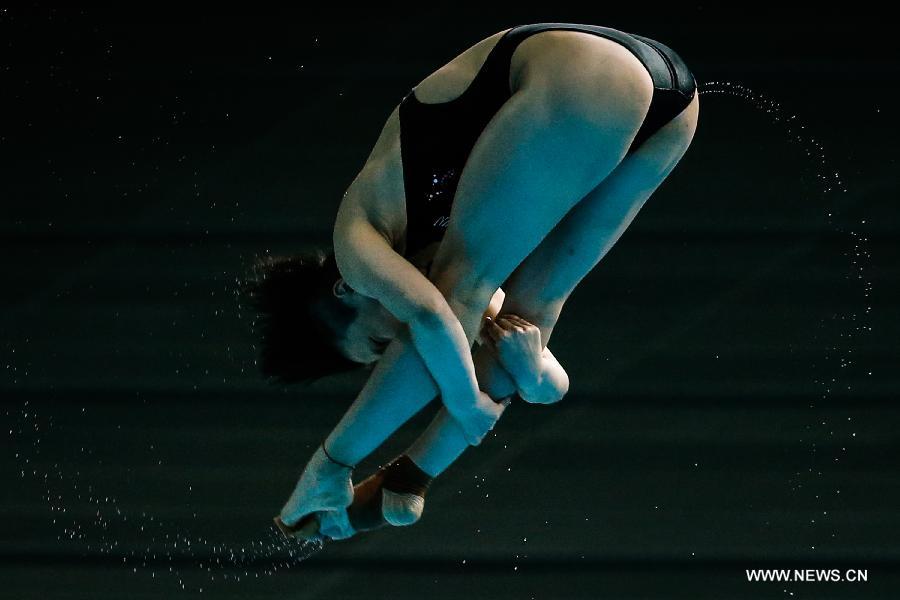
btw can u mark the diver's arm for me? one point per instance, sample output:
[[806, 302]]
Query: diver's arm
[[372, 267]]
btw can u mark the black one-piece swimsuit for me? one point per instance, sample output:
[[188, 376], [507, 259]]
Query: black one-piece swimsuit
[[435, 139]]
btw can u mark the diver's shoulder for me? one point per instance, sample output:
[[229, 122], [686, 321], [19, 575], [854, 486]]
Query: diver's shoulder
[[376, 196]]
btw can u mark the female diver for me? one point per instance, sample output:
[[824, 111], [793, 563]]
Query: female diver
[[517, 164]]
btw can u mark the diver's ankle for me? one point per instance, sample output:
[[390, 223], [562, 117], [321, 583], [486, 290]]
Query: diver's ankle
[[404, 476], [331, 463], [394, 495]]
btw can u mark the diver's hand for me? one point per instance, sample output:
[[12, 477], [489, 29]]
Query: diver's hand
[[477, 420], [517, 345]]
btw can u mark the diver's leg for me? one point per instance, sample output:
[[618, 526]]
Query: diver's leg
[[552, 142], [539, 287]]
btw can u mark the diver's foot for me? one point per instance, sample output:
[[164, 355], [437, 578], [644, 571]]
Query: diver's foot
[[306, 529], [401, 509], [394, 495], [325, 485], [334, 525]]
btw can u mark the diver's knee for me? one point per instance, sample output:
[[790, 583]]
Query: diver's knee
[[466, 291], [544, 397]]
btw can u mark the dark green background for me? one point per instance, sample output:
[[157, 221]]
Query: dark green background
[[733, 385]]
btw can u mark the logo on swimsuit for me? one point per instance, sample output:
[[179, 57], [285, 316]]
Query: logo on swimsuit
[[441, 222]]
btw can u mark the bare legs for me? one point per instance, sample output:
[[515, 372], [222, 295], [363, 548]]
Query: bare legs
[[442, 442], [537, 158], [539, 287]]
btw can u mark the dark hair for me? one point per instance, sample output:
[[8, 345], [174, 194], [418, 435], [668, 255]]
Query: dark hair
[[298, 317]]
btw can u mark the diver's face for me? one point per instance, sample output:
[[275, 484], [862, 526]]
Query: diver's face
[[370, 331]]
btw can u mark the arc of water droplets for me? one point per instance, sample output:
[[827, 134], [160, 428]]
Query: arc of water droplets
[[173, 543], [831, 182], [168, 546]]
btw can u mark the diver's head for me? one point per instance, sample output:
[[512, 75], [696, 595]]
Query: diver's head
[[312, 324], [371, 328]]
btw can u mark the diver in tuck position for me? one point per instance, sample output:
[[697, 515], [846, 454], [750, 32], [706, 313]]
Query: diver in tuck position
[[517, 164]]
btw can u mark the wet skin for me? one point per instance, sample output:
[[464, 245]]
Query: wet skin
[[371, 329]]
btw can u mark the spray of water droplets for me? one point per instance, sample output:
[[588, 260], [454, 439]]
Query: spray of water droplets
[[167, 550], [101, 526], [846, 330]]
